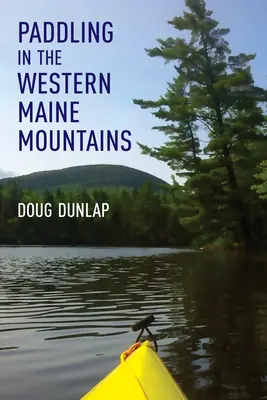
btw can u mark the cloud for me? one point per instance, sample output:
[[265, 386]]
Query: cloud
[[6, 174]]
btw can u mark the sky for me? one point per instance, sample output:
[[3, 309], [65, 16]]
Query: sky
[[136, 26]]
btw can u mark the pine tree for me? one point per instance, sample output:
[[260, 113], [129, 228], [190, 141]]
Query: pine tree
[[213, 91]]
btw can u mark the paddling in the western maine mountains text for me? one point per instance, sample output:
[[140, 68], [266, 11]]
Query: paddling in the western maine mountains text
[[40, 113]]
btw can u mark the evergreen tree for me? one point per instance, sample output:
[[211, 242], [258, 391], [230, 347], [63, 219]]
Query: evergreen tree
[[212, 91]]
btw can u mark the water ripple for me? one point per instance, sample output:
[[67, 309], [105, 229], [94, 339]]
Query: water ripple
[[65, 317]]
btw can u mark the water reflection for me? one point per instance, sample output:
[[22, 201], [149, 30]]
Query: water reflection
[[65, 320]]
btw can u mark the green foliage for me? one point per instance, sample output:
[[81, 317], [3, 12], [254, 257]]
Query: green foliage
[[261, 188], [212, 92], [141, 217]]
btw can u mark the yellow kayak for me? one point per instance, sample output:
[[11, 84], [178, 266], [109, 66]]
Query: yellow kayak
[[141, 375]]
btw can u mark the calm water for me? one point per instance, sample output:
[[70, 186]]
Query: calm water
[[65, 315]]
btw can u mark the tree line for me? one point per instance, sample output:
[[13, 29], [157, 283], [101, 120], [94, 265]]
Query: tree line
[[138, 217], [214, 117]]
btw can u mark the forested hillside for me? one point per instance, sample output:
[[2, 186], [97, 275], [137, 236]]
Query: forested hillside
[[85, 176]]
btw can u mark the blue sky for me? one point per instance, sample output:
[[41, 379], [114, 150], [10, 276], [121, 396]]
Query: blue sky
[[137, 24]]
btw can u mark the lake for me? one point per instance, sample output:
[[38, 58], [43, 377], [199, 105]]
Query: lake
[[65, 317]]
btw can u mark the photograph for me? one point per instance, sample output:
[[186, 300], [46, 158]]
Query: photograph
[[133, 200]]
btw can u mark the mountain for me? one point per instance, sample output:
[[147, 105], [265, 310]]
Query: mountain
[[87, 176]]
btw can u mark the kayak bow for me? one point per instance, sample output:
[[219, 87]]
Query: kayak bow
[[141, 374]]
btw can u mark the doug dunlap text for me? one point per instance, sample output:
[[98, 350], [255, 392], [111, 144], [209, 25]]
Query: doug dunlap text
[[62, 210]]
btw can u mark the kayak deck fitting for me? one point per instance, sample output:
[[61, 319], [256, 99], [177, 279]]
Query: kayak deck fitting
[[141, 374]]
